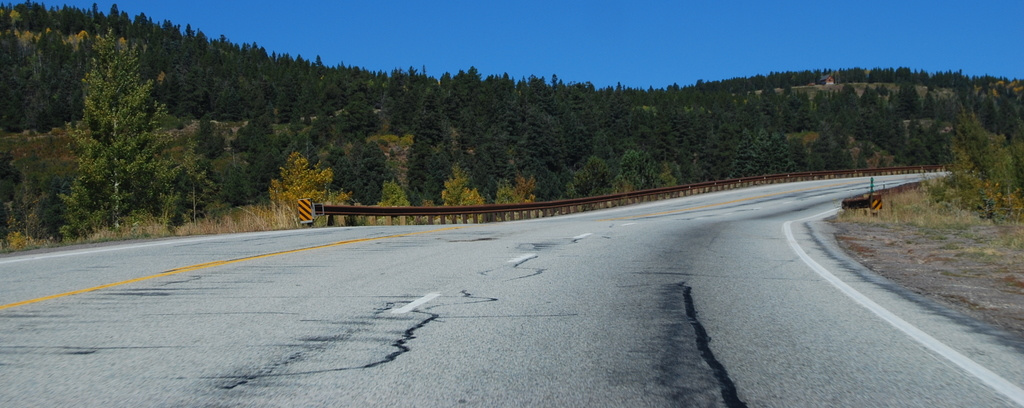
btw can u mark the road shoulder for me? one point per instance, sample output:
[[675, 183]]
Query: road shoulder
[[962, 270]]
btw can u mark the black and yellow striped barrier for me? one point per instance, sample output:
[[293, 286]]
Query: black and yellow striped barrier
[[306, 211]]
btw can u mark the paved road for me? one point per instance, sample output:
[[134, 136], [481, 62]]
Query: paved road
[[734, 298]]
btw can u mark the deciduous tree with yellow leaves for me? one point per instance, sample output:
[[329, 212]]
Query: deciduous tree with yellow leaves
[[300, 180], [521, 192], [457, 191]]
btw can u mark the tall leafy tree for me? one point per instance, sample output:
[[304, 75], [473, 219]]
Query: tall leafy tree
[[122, 171], [521, 192], [457, 190], [299, 180], [985, 174], [393, 195]]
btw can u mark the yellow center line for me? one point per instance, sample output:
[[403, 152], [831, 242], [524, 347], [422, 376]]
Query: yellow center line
[[205, 265], [631, 217]]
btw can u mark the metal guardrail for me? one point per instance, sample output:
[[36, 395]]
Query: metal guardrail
[[374, 215], [873, 200]]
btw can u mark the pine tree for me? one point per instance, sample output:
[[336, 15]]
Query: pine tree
[[908, 102], [751, 155], [638, 171], [778, 154], [121, 169], [592, 180]]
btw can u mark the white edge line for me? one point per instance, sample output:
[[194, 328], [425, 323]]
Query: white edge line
[[990, 378], [581, 236], [416, 303], [522, 259]]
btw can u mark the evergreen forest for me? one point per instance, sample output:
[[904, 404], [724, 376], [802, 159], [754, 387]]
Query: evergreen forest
[[232, 114]]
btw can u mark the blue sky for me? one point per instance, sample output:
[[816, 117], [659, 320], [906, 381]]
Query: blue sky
[[639, 44]]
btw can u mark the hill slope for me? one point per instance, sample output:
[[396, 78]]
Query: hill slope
[[242, 111]]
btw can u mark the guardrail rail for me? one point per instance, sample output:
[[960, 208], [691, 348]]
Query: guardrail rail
[[376, 215]]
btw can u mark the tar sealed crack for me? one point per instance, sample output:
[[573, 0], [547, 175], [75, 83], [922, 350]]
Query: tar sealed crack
[[704, 345], [81, 351], [536, 272], [266, 372], [520, 261], [322, 343], [400, 343], [466, 294]]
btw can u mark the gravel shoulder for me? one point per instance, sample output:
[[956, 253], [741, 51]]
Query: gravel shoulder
[[974, 270]]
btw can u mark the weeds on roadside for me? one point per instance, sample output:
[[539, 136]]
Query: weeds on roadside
[[940, 221], [266, 217], [916, 208]]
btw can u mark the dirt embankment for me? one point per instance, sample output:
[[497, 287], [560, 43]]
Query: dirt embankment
[[976, 270]]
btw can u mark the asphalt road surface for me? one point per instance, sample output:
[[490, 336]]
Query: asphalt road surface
[[735, 298]]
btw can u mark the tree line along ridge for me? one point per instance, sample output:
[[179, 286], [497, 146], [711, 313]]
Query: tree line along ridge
[[231, 115]]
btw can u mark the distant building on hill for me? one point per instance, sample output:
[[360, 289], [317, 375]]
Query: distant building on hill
[[829, 79]]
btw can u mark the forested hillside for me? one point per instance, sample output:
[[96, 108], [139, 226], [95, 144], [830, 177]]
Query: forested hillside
[[235, 113]]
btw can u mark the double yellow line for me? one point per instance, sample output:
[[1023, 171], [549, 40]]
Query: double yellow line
[[353, 241], [196, 267]]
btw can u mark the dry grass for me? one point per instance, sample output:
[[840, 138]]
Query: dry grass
[[254, 218], [270, 217], [960, 233], [915, 208], [1012, 237], [963, 261]]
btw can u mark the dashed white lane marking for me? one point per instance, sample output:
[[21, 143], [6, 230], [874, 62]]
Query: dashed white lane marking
[[416, 303], [628, 224], [518, 260], [581, 236], [990, 378]]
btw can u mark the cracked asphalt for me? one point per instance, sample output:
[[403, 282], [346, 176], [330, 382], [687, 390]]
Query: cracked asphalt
[[688, 302]]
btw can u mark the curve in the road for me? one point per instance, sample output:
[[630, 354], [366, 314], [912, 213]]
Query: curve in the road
[[990, 378]]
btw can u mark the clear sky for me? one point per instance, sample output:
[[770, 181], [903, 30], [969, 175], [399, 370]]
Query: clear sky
[[637, 43]]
